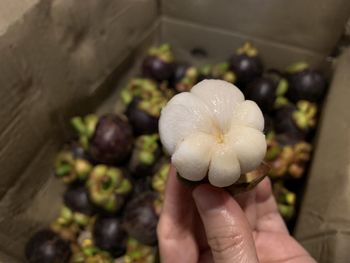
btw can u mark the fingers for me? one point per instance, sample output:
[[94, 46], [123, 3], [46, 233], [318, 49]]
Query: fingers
[[267, 216], [227, 229], [175, 228]]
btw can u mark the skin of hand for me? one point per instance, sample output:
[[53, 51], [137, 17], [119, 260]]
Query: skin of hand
[[206, 224]]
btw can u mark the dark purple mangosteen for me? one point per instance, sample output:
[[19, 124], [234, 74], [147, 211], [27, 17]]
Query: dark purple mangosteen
[[246, 65], [112, 140], [263, 92], [141, 217], [305, 83], [159, 63], [76, 197], [45, 246], [109, 235]]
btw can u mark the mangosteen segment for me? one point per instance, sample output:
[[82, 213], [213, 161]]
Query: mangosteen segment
[[45, 246], [108, 188], [112, 140], [109, 235], [141, 218]]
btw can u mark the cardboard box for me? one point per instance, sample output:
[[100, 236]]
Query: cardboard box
[[60, 57]]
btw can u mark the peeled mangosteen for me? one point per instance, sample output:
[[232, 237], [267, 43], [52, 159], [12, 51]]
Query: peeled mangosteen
[[45, 246], [112, 140], [76, 197], [246, 65], [159, 63], [263, 92], [109, 235], [305, 84], [141, 121], [141, 218]]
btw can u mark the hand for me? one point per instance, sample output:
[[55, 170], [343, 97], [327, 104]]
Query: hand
[[208, 225]]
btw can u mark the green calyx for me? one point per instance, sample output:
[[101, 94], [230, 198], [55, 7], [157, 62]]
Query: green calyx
[[85, 127], [107, 186], [160, 178], [248, 49], [205, 70], [163, 52], [137, 252], [287, 211], [81, 219], [305, 115], [69, 169], [146, 146], [65, 217], [151, 99], [280, 102], [297, 67], [282, 87]]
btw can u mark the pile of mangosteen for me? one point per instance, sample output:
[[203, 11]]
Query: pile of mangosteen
[[115, 169]]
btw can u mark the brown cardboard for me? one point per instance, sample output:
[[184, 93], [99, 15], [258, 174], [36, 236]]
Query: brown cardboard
[[313, 25], [54, 60], [59, 58], [324, 222]]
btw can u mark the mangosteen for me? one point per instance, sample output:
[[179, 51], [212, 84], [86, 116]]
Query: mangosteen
[[204, 72], [112, 140], [263, 91], [109, 235], [145, 155], [76, 197], [286, 201], [287, 156], [45, 246], [159, 63], [222, 71], [108, 188], [305, 83], [139, 253], [184, 77], [70, 168], [141, 121], [268, 127], [144, 100], [160, 177], [141, 217], [246, 65], [296, 120]]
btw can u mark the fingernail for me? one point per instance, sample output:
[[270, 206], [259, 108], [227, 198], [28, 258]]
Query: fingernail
[[207, 198]]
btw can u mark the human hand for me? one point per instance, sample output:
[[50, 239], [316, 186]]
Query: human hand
[[208, 225]]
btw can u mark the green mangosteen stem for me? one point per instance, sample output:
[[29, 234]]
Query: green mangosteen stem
[[297, 67]]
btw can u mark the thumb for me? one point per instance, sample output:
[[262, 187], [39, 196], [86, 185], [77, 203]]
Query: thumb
[[226, 226]]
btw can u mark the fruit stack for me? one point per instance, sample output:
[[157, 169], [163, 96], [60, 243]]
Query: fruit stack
[[115, 168]]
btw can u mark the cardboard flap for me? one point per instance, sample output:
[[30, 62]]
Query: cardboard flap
[[313, 25], [326, 206]]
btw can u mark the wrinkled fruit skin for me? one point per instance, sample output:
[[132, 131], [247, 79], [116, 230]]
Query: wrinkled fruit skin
[[112, 141], [141, 121], [140, 219], [246, 68], [109, 235], [307, 85], [263, 92], [47, 247], [155, 68], [76, 197], [284, 123]]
